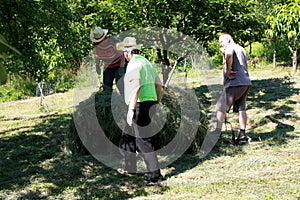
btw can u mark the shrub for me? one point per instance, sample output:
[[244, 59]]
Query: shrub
[[17, 88], [258, 50], [213, 48]]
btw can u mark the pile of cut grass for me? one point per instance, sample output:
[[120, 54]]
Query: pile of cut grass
[[100, 105]]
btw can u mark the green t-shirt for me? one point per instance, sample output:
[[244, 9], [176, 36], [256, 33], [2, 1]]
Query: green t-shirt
[[139, 68]]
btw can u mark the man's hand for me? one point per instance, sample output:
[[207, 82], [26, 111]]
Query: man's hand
[[130, 116], [98, 69], [231, 74]]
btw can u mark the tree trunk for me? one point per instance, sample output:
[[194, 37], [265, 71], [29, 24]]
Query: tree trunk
[[3, 75], [185, 72], [274, 53], [294, 59], [295, 52], [165, 71], [165, 64], [250, 51]]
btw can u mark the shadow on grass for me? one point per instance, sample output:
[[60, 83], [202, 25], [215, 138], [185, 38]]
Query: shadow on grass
[[33, 165], [273, 98], [269, 96]]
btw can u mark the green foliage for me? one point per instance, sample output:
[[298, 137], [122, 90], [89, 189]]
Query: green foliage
[[3, 74], [213, 49], [4, 50], [282, 51], [64, 79], [258, 50], [53, 36], [44, 35], [17, 88], [285, 24]]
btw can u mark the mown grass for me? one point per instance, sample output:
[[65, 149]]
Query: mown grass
[[34, 163]]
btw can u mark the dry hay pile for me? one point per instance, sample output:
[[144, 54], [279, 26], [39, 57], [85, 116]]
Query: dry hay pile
[[101, 103]]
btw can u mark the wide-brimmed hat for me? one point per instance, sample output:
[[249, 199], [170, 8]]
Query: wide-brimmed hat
[[128, 43], [98, 34]]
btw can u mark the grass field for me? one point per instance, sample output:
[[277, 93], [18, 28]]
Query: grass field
[[34, 163]]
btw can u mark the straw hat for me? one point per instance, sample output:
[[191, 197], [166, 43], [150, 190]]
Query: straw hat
[[98, 34], [128, 43]]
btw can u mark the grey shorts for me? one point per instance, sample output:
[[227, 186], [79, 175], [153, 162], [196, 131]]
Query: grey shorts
[[233, 96]]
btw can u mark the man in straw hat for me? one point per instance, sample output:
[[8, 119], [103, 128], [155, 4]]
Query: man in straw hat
[[113, 60], [142, 91]]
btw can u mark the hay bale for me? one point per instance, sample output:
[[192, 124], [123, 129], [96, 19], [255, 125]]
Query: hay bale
[[101, 103]]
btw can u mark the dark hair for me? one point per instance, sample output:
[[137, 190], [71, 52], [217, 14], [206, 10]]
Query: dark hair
[[135, 51]]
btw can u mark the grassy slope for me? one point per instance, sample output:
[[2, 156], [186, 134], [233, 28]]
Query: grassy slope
[[33, 164]]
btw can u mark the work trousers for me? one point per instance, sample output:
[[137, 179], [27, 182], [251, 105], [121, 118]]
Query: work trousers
[[109, 76], [138, 138]]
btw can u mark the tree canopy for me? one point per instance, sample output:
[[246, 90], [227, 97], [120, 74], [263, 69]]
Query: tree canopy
[[285, 25], [53, 36]]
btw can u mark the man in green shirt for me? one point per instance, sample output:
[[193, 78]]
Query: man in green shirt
[[142, 91]]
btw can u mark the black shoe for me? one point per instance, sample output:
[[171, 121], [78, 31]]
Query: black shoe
[[124, 172], [153, 181], [243, 139]]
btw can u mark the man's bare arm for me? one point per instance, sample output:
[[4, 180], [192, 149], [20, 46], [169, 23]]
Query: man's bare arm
[[135, 95], [229, 61]]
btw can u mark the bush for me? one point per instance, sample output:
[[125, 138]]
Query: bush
[[213, 48], [258, 50], [3, 75], [20, 87], [283, 53], [17, 88]]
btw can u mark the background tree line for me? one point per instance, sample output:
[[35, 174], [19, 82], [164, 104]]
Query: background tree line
[[47, 40]]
